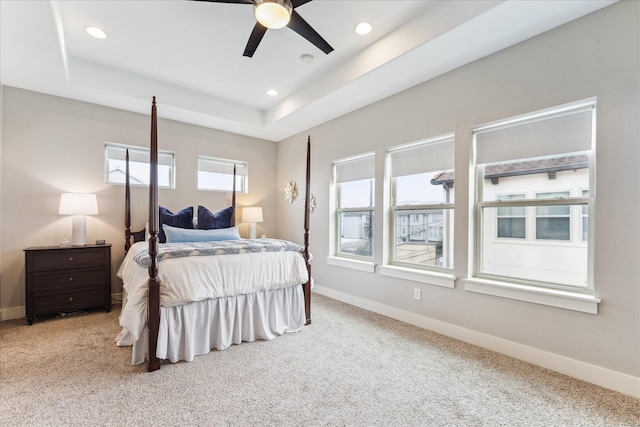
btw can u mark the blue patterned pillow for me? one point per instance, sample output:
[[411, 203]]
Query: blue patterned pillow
[[182, 219], [208, 220]]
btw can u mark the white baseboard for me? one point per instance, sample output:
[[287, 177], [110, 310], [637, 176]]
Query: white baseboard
[[11, 313], [603, 377]]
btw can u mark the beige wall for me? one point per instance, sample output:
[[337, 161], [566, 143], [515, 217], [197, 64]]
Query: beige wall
[[52, 145], [594, 56]]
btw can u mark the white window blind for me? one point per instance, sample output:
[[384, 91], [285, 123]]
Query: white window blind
[[221, 166], [550, 133], [217, 174], [427, 156], [137, 155], [355, 168]]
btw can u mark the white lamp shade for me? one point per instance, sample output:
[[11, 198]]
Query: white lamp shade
[[252, 214], [78, 204]]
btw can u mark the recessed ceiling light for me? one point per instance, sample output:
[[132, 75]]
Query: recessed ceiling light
[[272, 92], [306, 58], [96, 32], [364, 28]]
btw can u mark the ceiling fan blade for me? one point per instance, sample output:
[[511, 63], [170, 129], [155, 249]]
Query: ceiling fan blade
[[254, 39], [300, 26], [296, 3], [228, 1]]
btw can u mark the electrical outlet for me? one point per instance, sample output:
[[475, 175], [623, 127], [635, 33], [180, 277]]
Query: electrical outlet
[[417, 294]]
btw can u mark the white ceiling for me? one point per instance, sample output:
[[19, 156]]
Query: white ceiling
[[189, 54]]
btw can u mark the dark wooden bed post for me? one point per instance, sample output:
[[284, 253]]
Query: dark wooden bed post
[[307, 208], [154, 282], [127, 206], [233, 198]]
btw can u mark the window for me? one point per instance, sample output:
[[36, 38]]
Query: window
[[217, 174], [355, 201], [115, 165], [531, 176], [553, 222], [422, 204], [512, 221]]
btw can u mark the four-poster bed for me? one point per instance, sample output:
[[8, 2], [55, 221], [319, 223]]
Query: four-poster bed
[[205, 287]]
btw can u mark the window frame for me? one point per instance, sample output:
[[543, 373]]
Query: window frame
[[447, 208], [481, 282], [133, 149], [339, 210], [243, 182]]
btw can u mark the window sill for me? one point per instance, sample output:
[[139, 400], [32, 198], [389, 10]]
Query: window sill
[[551, 297], [354, 264], [421, 276]]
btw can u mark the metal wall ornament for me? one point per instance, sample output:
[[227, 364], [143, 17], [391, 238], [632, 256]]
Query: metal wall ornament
[[290, 191], [312, 203]]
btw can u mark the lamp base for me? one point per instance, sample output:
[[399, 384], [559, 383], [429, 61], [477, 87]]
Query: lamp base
[[79, 230], [252, 230]]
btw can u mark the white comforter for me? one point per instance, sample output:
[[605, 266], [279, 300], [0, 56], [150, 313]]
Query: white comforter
[[199, 278]]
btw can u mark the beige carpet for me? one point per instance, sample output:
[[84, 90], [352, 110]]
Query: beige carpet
[[349, 368]]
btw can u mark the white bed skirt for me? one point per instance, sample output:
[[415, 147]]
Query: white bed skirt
[[196, 328]]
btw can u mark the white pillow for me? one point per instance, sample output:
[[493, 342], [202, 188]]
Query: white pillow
[[178, 235]]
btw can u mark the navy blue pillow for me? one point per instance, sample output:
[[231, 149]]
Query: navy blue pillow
[[208, 220], [182, 219]]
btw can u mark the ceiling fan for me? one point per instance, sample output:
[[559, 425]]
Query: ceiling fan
[[274, 14]]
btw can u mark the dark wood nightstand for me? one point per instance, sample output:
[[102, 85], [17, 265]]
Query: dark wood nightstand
[[64, 279]]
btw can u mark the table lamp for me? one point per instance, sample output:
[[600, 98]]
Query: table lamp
[[252, 215], [79, 205]]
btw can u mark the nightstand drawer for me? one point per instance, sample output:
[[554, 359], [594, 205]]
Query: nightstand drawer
[[67, 259], [45, 303], [68, 278]]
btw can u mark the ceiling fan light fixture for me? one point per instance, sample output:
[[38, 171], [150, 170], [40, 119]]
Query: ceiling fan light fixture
[[273, 14]]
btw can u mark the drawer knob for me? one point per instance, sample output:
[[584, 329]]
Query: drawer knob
[[70, 299], [70, 259], [71, 279]]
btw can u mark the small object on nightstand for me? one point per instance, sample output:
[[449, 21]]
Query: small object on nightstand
[[65, 242], [100, 242]]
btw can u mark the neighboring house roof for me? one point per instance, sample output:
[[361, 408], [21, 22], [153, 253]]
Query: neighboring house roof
[[132, 179], [527, 167]]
